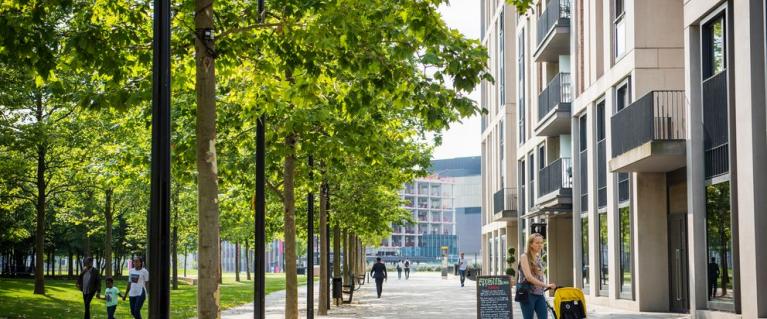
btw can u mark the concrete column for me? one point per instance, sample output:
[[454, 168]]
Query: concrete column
[[484, 250], [593, 230], [749, 39], [576, 220], [696, 193], [650, 246], [560, 242]]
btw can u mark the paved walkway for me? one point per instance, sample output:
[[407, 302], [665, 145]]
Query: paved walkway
[[423, 296]]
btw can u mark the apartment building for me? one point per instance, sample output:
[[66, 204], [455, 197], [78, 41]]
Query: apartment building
[[430, 201], [500, 193], [637, 128]]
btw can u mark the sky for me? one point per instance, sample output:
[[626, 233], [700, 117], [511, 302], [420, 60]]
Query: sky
[[462, 139]]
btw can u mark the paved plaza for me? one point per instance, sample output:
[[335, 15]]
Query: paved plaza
[[423, 296]]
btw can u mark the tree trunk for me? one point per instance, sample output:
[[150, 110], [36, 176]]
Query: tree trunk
[[291, 280], [108, 237], [237, 261], [347, 253], [220, 261], [247, 259], [87, 238], [174, 244], [185, 253], [208, 296], [322, 309], [723, 261], [40, 206], [70, 264]]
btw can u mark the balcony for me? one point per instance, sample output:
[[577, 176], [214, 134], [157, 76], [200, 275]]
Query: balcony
[[715, 126], [505, 204], [554, 107], [555, 188], [553, 31], [649, 135]]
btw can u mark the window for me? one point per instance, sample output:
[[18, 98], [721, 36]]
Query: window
[[583, 139], [714, 42], [541, 156], [626, 279], [624, 190], [502, 161], [501, 66], [721, 288], [583, 159], [620, 29], [601, 156], [622, 96], [585, 251], [604, 265], [522, 183], [531, 172], [521, 87]]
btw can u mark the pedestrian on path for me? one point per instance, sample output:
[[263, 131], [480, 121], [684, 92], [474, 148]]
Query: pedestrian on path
[[531, 279], [110, 295], [399, 269], [89, 283], [713, 275], [379, 273], [138, 280], [462, 268], [407, 269]]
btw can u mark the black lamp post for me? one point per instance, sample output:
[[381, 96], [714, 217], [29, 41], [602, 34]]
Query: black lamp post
[[159, 211]]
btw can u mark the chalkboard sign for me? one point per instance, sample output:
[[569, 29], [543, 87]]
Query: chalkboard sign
[[494, 300]]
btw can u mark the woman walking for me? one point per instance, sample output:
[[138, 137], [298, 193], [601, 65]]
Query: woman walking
[[531, 279], [138, 280]]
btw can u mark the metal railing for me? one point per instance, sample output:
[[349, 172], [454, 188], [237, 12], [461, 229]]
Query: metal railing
[[505, 199], [556, 95], [557, 14], [715, 125], [658, 115], [558, 175]]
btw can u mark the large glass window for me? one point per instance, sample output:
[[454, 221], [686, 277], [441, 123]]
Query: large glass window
[[604, 265], [601, 156], [502, 161], [423, 189], [531, 187], [501, 67], [620, 29], [583, 158], [585, 252], [714, 41], [626, 279], [721, 289], [521, 87]]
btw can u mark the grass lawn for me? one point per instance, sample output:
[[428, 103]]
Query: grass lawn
[[64, 301]]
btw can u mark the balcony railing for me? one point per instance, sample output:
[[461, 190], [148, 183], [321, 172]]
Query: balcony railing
[[558, 175], [658, 115], [715, 125], [556, 95], [505, 200], [557, 13]]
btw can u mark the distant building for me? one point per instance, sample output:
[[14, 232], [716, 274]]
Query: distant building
[[450, 195]]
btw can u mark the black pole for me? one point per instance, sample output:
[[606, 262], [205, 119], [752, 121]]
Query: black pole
[[310, 248], [159, 210], [259, 272]]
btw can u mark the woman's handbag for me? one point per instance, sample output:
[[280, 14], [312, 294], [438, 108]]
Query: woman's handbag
[[523, 292], [523, 288]]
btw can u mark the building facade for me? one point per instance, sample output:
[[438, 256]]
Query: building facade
[[430, 200], [640, 127], [465, 173]]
